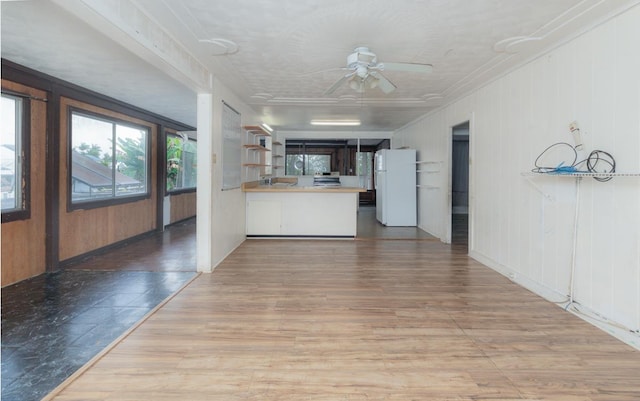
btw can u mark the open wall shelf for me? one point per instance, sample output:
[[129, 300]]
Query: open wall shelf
[[578, 175], [256, 130], [256, 147]]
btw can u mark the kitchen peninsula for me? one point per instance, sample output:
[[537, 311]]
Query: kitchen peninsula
[[285, 209]]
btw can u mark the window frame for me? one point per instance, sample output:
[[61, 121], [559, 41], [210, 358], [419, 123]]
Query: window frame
[[24, 212], [113, 200], [179, 190]]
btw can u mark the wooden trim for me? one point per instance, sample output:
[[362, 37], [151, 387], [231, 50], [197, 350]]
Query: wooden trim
[[24, 212], [52, 190], [25, 76], [161, 176]]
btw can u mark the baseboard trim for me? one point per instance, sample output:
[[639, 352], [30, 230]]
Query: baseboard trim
[[254, 236], [99, 251], [615, 329]]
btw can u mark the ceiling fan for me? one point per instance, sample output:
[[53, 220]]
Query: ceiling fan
[[365, 72]]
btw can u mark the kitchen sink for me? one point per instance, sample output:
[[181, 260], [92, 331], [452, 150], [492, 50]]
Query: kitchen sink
[[283, 184]]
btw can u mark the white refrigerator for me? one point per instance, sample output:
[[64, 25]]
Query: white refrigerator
[[395, 185]]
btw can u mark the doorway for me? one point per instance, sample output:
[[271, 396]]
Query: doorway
[[460, 184]]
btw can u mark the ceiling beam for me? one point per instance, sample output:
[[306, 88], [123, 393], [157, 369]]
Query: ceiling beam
[[129, 26]]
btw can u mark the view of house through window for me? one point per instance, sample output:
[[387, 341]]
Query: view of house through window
[[182, 163], [109, 158], [10, 151]]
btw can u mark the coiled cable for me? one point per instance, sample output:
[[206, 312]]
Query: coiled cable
[[598, 161]]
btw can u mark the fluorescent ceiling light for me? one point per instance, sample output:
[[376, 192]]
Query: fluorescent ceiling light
[[265, 126], [336, 122]]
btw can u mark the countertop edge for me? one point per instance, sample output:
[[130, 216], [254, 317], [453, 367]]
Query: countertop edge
[[318, 189]]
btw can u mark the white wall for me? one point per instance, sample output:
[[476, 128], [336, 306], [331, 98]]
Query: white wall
[[221, 214], [595, 80]]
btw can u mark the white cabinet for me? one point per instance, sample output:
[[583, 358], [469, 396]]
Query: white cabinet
[[264, 217], [316, 213]]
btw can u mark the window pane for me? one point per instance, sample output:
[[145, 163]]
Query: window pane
[[317, 164], [190, 163], [174, 156], [182, 164], [365, 169], [91, 158], [10, 150], [294, 164], [131, 160]]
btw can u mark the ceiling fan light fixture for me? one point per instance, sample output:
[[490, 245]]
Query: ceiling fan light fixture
[[361, 84], [371, 82], [343, 123], [357, 84]]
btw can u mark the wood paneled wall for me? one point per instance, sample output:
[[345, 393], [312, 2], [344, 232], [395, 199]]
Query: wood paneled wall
[[183, 206], [82, 231], [52, 234], [23, 241]]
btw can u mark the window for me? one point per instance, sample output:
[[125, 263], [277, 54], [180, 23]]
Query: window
[[182, 163], [109, 159], [305, 164], [364, 166], [14, 150]]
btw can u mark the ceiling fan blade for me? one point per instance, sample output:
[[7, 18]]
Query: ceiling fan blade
[[384, 84], [304, 74], [408, 67], [337, 84]]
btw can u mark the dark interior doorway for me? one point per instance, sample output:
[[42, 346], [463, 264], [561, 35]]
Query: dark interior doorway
[[460, 184]]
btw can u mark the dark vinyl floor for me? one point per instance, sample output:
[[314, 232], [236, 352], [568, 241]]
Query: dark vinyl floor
[[55, 323]]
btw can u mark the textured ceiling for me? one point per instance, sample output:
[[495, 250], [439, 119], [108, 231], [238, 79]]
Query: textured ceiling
[[280, 56]]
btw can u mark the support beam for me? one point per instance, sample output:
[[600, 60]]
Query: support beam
[[205, 195]]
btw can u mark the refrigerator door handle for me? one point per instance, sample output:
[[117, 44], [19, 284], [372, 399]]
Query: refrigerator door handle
[[376, 178]]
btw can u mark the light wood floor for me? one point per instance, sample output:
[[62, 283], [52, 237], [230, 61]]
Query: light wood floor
[[360, 320]]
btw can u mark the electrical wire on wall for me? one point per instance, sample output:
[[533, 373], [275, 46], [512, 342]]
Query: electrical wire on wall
[[599, 158], [598, 161], [564, 158]]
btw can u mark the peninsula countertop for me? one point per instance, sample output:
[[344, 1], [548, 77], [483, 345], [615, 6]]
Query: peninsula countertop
[[279, 207], [288, 186]]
